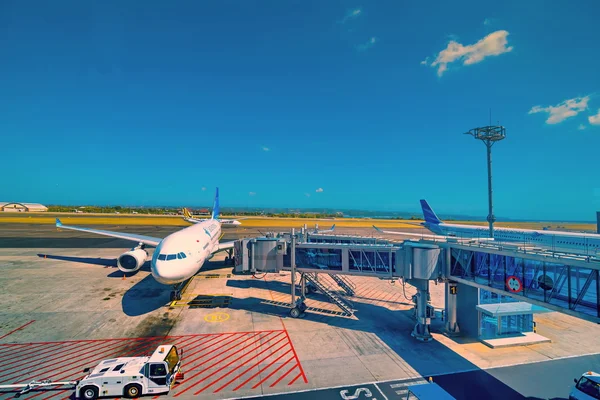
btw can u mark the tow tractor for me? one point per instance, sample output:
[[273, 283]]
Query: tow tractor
[[132, 376], [124, 376]]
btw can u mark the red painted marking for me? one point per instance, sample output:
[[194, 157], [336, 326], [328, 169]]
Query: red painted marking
[[296, 357], [225, 366], [50, 358], [207, 353], [185, 349], [26, 351], [262, 370], [229, 356], [273, 373], [294, 380], [18, 329], [206, 342], [284, 375], [247, 369]]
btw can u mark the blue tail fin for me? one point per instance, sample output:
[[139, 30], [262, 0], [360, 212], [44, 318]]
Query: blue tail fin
[[215, 211], [428, 214]]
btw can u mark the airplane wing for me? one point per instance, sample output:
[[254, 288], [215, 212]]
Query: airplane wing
[[148, 240], [224, 246]]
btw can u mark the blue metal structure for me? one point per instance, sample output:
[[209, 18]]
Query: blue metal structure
[[561, 282]]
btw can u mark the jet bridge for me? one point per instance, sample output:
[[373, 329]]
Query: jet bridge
[[567, 283], [339, 256]]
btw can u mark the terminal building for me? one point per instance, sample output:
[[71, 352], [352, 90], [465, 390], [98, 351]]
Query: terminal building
[[22, 207]]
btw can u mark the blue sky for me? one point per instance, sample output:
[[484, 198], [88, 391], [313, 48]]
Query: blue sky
[[271, 101]]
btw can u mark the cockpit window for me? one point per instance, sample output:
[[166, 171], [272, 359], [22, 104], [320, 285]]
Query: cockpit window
[[179, 256], [162, 257], [171, 257], [183, 255]]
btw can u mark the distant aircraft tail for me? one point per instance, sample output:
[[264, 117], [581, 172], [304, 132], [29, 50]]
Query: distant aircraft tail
[[428, 214], [187, 213], [215, 211]]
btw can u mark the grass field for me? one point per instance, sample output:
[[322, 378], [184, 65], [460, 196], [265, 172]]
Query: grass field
[[257, 222]]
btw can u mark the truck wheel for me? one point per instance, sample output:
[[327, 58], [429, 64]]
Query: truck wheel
[[89, 392], [295, 312], [133, 391]]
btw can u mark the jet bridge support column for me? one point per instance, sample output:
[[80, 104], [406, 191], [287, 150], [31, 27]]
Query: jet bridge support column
[[421, 331], [451, 328]]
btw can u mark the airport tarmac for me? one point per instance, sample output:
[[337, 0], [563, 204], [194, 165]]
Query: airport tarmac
[[64, 306]]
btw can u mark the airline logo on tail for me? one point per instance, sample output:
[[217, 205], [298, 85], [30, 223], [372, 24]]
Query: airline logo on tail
[[215, 211], [428, 214], [187, 213]]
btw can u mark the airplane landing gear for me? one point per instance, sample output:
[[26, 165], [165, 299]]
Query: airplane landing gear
[[229, 258], [175, 295], [176, 292]]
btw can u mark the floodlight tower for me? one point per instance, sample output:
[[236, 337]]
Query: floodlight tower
[[489, 135]]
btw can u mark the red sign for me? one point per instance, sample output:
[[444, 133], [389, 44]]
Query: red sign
[[514, 284]]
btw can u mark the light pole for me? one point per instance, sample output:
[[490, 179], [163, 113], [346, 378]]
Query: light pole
[[489, 135]]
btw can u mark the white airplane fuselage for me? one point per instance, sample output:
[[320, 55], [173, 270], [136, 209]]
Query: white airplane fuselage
[[555, 240], [180, 255]]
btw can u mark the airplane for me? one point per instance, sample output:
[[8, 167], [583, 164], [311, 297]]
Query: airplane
[[317, 230], [559, 241], [177, 257], [225, 223]]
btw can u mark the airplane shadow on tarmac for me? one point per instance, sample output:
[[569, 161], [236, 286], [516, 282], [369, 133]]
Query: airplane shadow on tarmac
[[389, 325], [145, 296]]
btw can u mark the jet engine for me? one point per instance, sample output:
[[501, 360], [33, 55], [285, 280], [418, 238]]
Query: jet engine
[[132, 260]]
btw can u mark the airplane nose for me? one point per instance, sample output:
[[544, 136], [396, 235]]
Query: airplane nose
[[167, 273]]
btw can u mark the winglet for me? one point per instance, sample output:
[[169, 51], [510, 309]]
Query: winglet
[[377, 229], [58, 223], [215, 211], [332, 228]]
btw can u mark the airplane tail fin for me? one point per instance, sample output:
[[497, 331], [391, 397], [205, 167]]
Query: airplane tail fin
[[215, 211], [186, 213], [428, 214]]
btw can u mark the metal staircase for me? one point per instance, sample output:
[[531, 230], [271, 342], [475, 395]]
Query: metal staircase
[[345, 305], [344, 283]]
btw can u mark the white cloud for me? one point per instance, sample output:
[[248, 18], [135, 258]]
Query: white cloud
[[566, 109], [595, 119], [203, 188], [351, 14], [251, 193], [491, 45], [265, 148], [487, 21], [319, 190], [581, 127], [368, 45], [307, 194]]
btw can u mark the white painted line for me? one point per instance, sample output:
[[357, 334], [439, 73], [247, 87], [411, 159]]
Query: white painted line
[[380, 391]]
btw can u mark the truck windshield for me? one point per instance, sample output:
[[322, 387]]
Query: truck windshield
[[589, 387], [172, 359]]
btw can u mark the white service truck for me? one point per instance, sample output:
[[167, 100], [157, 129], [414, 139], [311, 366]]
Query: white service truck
[[132, 376], [587, 387]]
